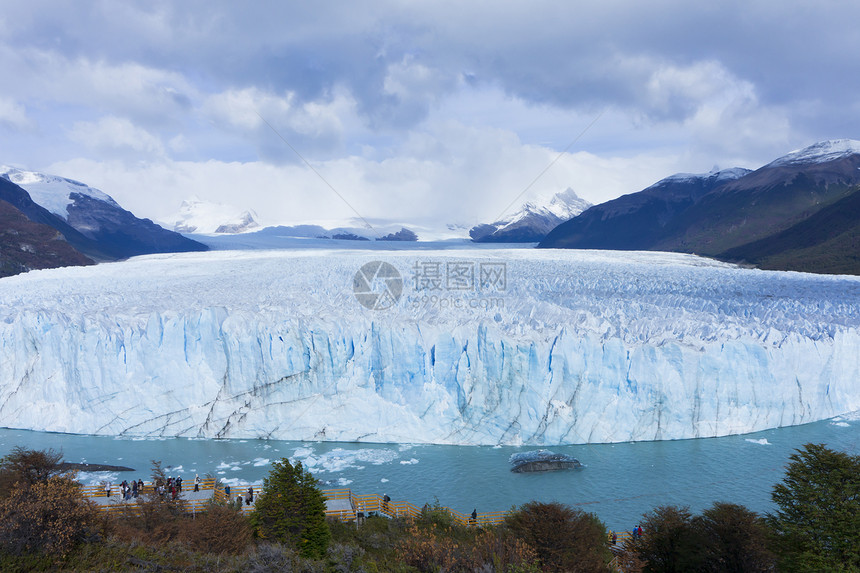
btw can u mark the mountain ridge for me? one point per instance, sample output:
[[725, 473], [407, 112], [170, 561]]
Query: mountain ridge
[[738, 219], [91, 220]]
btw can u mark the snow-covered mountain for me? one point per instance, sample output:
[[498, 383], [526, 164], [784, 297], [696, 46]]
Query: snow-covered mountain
[[198, 216], [533, 220], [545, 347], [31, 243], [798, 212], [821, 152], [56, 194], [111, 231]]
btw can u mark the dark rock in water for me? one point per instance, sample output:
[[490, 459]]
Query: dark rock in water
[[547, 466], [542, 461], [70, 466]]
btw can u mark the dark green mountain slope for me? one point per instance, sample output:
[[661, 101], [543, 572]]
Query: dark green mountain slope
[[827, 242], [796, 213]]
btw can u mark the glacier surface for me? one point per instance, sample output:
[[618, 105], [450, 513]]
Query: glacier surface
[[573, 347]]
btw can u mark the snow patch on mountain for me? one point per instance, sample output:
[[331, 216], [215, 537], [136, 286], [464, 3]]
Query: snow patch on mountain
[[719, 175], [820, 152], [52, 192]]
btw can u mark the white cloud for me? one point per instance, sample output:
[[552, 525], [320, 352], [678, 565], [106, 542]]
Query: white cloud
[[414, 109], [674, 91], [127, 88], [13, 115], [448, 174], [113, 136], [252, 114]]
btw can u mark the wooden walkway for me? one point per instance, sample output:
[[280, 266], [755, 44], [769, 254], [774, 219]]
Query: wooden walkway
[[341, 504]]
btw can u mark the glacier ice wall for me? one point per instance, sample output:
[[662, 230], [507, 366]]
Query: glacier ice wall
[[579, 347]]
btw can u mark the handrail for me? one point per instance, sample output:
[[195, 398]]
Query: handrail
[[369, 503], [99, 489]]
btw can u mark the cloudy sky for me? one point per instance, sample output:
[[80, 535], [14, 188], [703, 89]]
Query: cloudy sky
[[431, 111]]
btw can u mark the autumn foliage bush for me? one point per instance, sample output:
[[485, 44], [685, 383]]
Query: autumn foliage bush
[[49, 516], [23, 467], [429, 549], [220, 530]]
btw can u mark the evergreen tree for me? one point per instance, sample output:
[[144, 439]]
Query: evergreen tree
[[818, 521], [291, 509]]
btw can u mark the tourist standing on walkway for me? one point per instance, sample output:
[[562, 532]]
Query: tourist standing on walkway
[[107, 489], [250, 497], [474, 515], [197, 482]]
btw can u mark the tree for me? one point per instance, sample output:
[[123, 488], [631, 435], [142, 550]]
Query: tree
[[734, 539], [27, 467], [50, 516], [291, 509], [564, 538], [670, 543], [818, 520]]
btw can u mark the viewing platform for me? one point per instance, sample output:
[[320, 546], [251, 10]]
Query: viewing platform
[[341, 504]]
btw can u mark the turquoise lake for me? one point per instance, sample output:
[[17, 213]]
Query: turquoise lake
[[618, 483]]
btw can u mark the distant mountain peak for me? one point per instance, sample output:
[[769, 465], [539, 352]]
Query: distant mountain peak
[[820, 152], [196, 215], [533, 220]]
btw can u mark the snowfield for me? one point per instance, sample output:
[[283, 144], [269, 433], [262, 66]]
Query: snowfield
[[570, 347]]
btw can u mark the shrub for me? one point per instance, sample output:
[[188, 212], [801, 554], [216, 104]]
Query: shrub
[[153, 518], [50, 516], [220, 530], [291, 509], [27, 467], [436, 516], [734, 539], [564, 538], [431, 549]]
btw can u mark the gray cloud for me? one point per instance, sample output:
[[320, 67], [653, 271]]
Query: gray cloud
[[684, 84]]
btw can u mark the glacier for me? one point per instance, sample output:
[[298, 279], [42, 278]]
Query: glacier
[[572, 347]]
